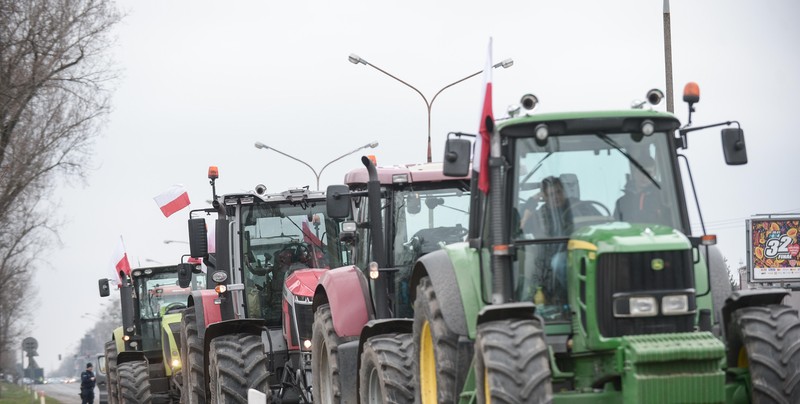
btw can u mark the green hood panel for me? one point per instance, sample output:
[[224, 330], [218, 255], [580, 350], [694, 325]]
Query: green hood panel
[[626, 237]]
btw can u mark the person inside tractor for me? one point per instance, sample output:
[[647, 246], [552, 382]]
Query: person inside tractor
[[641, 201], [551, 214]]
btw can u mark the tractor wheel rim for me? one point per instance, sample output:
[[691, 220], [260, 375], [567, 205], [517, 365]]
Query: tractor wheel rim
[[427, 366], [325, 385], [374, 394], [742, 360], [487, 397]]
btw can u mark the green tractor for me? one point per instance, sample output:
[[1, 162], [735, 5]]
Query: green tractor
[[143, 355], [582, 283]]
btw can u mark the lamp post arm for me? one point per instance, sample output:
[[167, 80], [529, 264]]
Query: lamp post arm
[[339, 158], [394, 77], [299, 161], [454, 83]]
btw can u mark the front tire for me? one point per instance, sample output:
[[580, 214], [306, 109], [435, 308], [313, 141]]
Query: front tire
[[237, 364], [325, 358], [134, 383], [111, 366], [193, 390], [386, 374], [436, 347], [512, 363], [766, 340]]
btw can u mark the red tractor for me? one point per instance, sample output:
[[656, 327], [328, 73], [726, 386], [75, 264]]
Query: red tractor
[[362, 312], [250, 332]]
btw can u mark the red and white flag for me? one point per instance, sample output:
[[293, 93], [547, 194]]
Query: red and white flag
[[486, 127], [119, 263], [172, 200]]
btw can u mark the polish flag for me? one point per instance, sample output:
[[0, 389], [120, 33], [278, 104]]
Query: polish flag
[[486, 127], [172, 200], [119, 263]]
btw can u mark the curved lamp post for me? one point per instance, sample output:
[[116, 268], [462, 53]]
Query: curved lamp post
[[355, 59], [370, 145]]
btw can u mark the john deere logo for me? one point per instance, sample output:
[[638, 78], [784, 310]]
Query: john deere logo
[[657, 264]]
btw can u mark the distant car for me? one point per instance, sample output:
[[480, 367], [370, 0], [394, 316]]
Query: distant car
[[26, 380]]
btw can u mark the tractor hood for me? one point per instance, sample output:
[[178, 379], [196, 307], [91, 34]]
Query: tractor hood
[[303, 282], [627, 237]]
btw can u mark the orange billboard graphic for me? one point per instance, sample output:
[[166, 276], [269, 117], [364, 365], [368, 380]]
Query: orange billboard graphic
[[773, 249]]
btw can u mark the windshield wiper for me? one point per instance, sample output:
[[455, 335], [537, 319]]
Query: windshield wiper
[[536, 167], [632, 160]]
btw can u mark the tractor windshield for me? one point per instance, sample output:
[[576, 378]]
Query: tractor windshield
[[575, 181], [426, 218], [278, 239]]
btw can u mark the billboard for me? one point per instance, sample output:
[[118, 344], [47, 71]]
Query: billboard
[[772, 249]]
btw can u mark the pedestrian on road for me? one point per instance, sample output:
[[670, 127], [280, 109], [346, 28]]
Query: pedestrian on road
[[87, 385]]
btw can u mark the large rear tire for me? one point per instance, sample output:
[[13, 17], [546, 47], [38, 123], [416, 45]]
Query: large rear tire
[[134, 383], [325, 373], [193, 390], [111, 371], [766, 340], [237, 363], [511, 363], [436, 349], [387, 370]]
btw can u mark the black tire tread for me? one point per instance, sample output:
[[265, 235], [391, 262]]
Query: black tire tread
[[392, 355], [514, 353], [428, 308], [193, 390], [323, 332], [134, 383], [238, 363], [111, 372], [771, 337]]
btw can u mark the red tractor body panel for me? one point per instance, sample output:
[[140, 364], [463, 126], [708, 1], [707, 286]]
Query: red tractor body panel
[[347, 297]]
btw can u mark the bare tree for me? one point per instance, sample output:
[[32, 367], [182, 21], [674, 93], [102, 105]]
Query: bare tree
[[55, 82], [54, 88]]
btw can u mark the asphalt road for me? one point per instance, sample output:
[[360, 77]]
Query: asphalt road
[[65, 393]]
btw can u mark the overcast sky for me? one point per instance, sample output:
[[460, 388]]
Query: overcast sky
[[202, 81]]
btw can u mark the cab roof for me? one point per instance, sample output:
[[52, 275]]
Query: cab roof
[[415, 173]]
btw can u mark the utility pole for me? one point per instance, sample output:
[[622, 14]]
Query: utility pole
[[668, 57]]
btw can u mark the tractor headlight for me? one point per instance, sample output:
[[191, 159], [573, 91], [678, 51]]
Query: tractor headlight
[[643, 306], [307, 344], [176, 363], [675, 304], [373, 270]]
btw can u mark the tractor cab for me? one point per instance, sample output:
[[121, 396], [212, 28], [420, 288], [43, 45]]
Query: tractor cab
[[157, 294], [617, 175]]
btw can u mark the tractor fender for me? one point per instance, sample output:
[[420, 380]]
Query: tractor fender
[[378, 327], [720, 284], [750, 298], [206, 311], [130, 356], [439, 268], [345, 290], [494, 312]]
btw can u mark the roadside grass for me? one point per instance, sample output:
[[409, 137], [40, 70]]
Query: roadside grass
[[14, 394]]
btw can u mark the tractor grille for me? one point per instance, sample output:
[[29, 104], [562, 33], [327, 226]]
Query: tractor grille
[[303, 319], [632, 272]]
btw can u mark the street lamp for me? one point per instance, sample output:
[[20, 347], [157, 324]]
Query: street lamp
[[355, 59], [370, 145]]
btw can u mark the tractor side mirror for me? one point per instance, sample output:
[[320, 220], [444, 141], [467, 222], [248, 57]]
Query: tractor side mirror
[[105, 290], [456, 157], [185, 274], [733, 146], [338, 201], [198, 238]]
